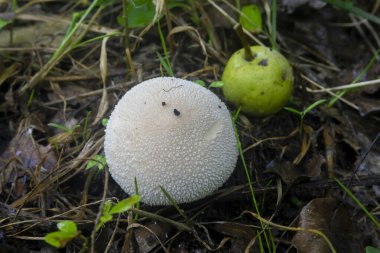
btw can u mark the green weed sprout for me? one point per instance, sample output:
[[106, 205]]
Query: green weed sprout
[[303, 113], [67, 231], [109, 209], [98, 161]]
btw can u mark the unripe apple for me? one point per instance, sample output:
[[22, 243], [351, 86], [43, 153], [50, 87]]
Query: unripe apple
[[261, 86]]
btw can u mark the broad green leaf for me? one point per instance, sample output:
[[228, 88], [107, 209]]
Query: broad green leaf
[[125, 204], [370, 249], [67, 231], [140, 13], [68, 227], [3, 23], [56, 239], [250, 18]]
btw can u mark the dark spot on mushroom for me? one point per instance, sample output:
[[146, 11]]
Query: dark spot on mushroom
[[263, 62], [163, 103], [144, 102], [176, 112], [219, 106]]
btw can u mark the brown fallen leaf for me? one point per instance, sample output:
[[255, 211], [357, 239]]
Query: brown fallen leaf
[[289, 172], [241, 234], [18, 163], [145, 238], [331, 218], [367, 105]]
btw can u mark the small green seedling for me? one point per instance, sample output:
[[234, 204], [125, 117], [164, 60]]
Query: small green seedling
[[303, 113], [109, 209], [98, 161], [67, 135], [64, 128], [67, 231], [104, 122]]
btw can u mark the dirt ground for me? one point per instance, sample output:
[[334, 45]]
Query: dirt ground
[[315, 175]]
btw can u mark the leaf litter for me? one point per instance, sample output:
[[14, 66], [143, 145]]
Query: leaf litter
[[51, 127]]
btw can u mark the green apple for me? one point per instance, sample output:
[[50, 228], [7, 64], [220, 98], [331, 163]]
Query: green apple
[[261, 86]]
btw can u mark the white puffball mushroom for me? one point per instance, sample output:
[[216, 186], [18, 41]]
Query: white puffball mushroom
[[172, 133]]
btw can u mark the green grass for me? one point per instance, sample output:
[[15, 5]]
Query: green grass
[[349, 6], [270, 245], [357, 201]]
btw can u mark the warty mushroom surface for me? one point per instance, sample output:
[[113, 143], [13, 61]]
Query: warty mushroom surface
[[172, 133]]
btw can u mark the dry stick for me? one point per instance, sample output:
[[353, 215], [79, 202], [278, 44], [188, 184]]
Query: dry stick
[[363, 33], [281, 227], [39, 221], [101, 206], [243, 40], [194, 37], [361, 161], [329, 92], [64, 21], [234, 22], [113, 234], [153, 216], [349, 86], [65, 47], [329, 153]]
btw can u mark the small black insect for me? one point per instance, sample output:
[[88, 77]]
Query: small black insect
[[163, 103], [176, 112], [219, 106]]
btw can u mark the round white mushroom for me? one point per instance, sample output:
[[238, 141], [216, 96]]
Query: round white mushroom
[[172, 133]]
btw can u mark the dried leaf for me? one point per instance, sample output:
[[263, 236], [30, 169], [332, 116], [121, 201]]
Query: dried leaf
[[331, 218], [184, 28], [103, 61], [146, 240], [22, 155], [306, 141], [103, 106], [234, 229], [8, 72], [289, 172], [367, 105]]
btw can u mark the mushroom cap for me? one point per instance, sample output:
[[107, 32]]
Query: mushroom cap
[[172, 133]]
